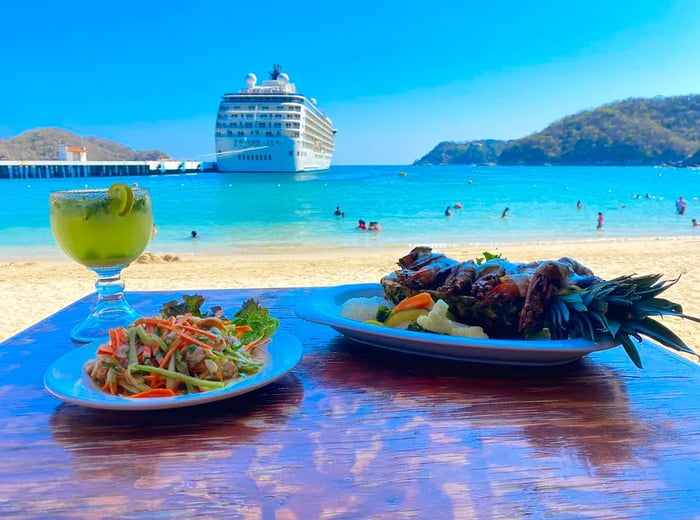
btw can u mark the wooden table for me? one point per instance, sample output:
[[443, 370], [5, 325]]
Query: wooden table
[[355, 432]]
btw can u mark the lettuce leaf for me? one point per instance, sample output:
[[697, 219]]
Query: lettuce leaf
[[191, 304], [258, 318]]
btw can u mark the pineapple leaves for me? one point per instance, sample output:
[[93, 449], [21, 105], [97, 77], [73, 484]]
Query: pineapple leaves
[[614, 327], [621, 307], [656, 331], [631, 349], [575, 300], [657, 306]]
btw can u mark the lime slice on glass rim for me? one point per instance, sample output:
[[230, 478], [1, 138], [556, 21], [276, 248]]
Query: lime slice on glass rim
[[121, 199]]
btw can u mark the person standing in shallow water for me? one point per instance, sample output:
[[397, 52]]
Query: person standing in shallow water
[[599, 227], [680, 206]]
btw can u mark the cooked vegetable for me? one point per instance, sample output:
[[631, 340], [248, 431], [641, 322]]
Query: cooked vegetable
[[437, 321], [421, 300], [415, 327], [403, 318], [383, 312]]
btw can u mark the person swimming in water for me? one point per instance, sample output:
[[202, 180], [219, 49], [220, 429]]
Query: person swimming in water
[[361, 225], [448, 212], [505, 213], [338, 212]]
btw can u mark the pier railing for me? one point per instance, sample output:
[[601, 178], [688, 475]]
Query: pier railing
[[69, 169]]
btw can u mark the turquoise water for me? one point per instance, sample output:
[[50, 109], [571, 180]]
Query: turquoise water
[[243, 212]]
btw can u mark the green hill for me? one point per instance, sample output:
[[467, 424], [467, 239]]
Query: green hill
[[469, 152], [42, 145], [660, 130]]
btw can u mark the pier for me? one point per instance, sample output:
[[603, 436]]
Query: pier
[[77, 169]]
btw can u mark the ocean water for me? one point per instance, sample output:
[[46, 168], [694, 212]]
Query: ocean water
[[254, 212]]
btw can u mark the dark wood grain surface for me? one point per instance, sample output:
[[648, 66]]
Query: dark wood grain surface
[[356, 432]]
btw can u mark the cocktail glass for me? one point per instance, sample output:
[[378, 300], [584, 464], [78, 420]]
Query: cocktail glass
[[104, 230]]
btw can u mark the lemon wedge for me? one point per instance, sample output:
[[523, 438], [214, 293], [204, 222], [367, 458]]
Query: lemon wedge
[[121, 199]]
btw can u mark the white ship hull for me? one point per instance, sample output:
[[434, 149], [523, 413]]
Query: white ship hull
[[282, 157]]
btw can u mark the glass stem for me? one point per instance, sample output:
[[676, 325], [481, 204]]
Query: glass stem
[[109, 286], [112, 309]]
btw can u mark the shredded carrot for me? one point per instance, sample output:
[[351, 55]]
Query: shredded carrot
[[192, 340], [201, 332], [155, 392], [255, 344], [105, 350], [113, 339], [166, 359], [211, 323], [421, 300], [186, 336], [154, 381], [121, 335], [241, 329]]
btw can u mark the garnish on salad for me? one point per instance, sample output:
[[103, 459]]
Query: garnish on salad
[[183, 350]]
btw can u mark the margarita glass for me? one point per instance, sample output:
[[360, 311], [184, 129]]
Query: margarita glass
[[104, 230]]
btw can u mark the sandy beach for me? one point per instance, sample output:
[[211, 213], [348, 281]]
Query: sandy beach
[[35, 288]]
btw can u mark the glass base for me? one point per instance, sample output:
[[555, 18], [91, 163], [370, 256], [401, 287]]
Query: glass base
[[96, 326]]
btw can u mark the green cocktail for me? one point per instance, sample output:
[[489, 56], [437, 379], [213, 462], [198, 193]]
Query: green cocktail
[[104, 230], [93, 236]]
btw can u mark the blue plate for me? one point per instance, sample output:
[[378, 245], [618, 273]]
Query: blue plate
[[67, 379], [325, 309]]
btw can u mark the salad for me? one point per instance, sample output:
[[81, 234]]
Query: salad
[[183, 350]]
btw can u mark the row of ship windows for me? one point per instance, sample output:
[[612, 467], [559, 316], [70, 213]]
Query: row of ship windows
[[323, 136], [286, 106], [258, 125], [285, 103], [255, 142], [268, 133], [254, 157], [253, 108], [251, 98], [264, 157], [225, 115]]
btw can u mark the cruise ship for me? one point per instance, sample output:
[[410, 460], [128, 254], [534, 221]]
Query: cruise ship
[[272, 128]]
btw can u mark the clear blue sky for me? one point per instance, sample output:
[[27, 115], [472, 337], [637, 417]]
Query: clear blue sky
[[396, 77]]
